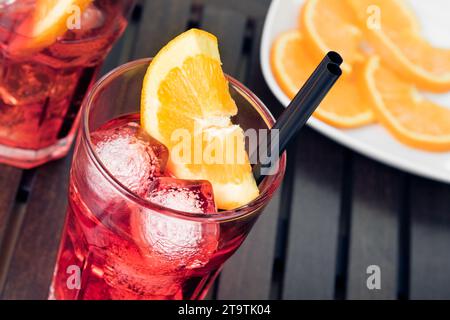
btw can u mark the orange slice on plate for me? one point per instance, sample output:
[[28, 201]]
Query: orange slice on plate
[[399, 43], [185, 93], [390, 15], [330, 25], [345, 106], [48, 22], [407, 114]]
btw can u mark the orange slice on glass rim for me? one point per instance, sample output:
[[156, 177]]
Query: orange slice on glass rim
[[185, 92]]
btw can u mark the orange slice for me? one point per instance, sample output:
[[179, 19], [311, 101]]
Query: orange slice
[[330, 25], [48, 22], [185, 93], [400, 45], [410, 117], [345, 106], [390, 15]]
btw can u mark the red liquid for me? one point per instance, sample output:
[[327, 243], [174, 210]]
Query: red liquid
[[40, 94], [125, 250]]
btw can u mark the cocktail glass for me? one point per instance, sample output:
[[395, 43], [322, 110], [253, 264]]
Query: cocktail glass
[[41, 90], [117, 245]]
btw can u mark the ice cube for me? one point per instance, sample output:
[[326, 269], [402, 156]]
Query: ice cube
[[92, 18], [87, 40], [130, 155], [176, 243], [183, 195]]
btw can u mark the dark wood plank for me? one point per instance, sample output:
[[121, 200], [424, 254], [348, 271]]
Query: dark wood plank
[[256, 9], [9, 183], [254, 77], [377, 193], [161, 21], [248, 273], [229, 27], [314, 219], [430, 240], [34, 257], [122, 51]]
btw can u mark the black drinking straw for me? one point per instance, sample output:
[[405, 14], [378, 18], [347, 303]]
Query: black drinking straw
[[332, 57], [301, 107]]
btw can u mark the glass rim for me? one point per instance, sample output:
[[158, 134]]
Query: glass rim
[[221, 216]]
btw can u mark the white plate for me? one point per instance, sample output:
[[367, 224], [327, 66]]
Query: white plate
[[373, 141]]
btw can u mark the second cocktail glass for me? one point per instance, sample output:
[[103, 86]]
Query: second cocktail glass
[[43, 78]]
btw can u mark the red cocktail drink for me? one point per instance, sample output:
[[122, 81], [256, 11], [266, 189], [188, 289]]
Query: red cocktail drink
[[133, 230], [45, 74]]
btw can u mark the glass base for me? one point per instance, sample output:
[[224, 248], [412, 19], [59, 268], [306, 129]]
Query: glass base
[[27, 159]]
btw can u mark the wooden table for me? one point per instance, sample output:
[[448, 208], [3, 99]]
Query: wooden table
[[336, 213]]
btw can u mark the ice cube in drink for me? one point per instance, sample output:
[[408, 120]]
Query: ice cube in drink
[[130, 155], [194, 196], [177, 243]]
